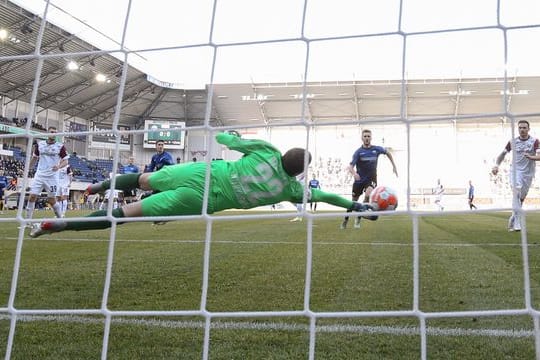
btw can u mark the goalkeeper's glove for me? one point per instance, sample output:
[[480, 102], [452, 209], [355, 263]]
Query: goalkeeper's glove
[[360, 207], [234, 132]]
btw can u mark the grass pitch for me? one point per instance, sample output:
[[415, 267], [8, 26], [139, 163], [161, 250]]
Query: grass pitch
[[468, 263]]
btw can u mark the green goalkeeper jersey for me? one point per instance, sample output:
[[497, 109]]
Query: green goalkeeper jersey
[[256, 179]]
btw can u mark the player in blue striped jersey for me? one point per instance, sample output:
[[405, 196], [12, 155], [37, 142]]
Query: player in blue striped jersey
[[314, 184], [363, 167]]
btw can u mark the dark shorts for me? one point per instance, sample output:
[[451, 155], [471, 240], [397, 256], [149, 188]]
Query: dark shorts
[[360, 187]]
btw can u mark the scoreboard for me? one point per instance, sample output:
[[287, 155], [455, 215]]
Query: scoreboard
[[172, 133]]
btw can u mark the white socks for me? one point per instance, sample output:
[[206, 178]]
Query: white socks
[[30, 206]]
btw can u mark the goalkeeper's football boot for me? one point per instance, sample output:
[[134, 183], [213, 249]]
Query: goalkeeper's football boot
[[357, 222], [47, 227]]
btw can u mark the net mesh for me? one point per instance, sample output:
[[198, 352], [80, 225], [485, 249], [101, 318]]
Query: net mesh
[[308, 49]]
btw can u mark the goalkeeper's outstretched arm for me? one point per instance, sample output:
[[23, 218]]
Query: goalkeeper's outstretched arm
[[336, 200], [330, 198], [233, 141]]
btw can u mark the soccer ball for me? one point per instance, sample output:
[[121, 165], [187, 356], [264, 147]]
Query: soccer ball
[[383, 198]]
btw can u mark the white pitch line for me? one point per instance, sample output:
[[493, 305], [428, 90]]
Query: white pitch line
[[332, 243], [279, 326]]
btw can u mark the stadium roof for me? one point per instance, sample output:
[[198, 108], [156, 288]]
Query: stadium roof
[[77, 93]]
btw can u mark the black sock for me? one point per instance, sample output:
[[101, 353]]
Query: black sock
[[95, 225]]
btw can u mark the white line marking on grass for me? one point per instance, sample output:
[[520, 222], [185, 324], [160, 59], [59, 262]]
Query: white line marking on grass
[[280, 326], [332, 243]]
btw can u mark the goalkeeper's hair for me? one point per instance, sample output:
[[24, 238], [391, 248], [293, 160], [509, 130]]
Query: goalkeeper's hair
[[293, 161]]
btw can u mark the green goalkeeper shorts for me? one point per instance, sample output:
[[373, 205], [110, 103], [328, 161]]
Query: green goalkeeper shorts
[[179, 191]]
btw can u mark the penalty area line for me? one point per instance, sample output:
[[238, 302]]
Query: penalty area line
[[331, 243], [281, 326]]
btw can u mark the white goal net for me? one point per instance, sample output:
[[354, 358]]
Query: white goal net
[[441, 85]]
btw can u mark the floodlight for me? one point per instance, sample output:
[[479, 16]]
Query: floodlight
[[72, 65], [100, 77]]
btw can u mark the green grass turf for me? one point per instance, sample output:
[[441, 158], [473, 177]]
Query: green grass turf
[[467, 263]]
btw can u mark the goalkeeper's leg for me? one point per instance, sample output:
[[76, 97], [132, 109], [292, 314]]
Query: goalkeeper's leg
[[126, 182], [48, 227]]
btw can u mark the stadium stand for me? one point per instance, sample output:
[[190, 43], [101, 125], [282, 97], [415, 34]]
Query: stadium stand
[[91, 170]]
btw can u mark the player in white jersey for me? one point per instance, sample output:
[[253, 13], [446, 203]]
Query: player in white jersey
[[439, 192], [91, 201], [51, 156], [65, 176], [524, 147], [110, 195]]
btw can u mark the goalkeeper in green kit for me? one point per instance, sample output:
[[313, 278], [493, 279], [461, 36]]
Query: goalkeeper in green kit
[[263, 176]]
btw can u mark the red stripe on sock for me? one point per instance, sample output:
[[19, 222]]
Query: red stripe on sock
[[47, 225]]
